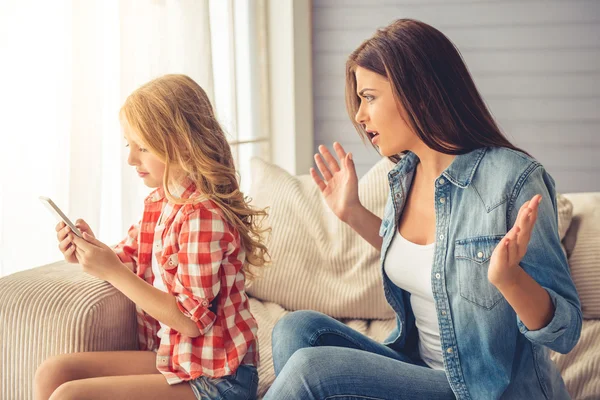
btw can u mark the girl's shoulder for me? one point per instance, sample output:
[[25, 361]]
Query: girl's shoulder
[[203, 209]]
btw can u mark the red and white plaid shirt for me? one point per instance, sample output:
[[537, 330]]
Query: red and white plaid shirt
[[201, 260]]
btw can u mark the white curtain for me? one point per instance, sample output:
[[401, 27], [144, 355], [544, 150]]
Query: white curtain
[[67, 66]]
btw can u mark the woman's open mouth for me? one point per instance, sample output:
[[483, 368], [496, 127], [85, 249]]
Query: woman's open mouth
[[374, 137]]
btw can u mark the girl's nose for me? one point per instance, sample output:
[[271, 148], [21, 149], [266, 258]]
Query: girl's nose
[[131, 159]]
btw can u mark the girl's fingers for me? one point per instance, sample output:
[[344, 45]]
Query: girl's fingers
[[62, 234], [323, 168], [70, 251], [78, 253], [331, 161], [64, 244], [59, 226], [83, 226]]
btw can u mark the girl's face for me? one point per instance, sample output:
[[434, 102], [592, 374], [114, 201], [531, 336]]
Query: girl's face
[[381, 115], [149, 167]]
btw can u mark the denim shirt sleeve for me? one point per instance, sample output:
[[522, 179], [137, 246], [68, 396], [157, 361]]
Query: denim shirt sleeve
[[546, 263]]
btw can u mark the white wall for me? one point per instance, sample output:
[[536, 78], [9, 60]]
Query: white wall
[[536, 63]]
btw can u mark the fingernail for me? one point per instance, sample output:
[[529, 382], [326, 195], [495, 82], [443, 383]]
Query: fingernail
[[350, 155]]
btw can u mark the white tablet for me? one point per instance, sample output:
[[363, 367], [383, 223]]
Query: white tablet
[[60, 215]]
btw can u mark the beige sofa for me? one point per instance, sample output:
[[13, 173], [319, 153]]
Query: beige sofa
[[318, 263]]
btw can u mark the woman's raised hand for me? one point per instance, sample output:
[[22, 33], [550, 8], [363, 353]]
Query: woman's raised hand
[[339, 182]]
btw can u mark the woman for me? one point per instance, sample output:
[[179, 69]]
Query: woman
[[470, 252]]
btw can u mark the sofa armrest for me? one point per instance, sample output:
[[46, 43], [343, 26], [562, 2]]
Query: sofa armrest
[[57, 309]]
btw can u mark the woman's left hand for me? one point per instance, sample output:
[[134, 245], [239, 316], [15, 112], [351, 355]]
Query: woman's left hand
[[504, 267], [96, 258]]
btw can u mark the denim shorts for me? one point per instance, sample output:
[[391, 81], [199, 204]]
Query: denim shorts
[[242, 385]]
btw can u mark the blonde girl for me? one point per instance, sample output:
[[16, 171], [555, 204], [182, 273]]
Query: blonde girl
[[184, 265]]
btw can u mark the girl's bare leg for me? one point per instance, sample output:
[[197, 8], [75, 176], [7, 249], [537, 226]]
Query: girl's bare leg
[[77, 366], [147, 387]]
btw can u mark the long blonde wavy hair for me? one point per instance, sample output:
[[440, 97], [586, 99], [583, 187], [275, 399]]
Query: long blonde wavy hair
[[173, 117]]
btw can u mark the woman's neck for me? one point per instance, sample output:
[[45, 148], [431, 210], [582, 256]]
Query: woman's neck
[[432, 163]]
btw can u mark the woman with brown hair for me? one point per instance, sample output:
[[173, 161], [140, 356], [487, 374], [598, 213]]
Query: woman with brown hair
[[470, 252]]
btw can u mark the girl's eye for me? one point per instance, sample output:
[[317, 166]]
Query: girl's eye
[[143, 150], [127, 145]]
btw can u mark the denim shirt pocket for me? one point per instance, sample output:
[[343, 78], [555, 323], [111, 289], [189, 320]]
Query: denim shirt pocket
[[472, 258]]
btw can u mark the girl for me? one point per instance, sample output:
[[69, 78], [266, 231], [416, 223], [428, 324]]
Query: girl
[[184, 264], [479, 293]]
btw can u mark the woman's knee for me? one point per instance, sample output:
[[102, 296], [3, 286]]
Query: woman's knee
[[293, 332], [299, 326]]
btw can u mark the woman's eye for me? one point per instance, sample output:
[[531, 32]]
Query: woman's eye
[[369, 98]]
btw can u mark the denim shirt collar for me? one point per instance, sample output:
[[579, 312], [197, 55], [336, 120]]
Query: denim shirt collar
[[460, 172]]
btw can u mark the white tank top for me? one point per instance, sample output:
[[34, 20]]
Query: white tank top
[[408, 265]]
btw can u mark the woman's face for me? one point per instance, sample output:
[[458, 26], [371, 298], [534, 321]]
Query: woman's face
[[381, 115]]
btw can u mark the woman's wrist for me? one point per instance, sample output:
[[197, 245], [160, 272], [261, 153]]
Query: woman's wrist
[[352, 215]]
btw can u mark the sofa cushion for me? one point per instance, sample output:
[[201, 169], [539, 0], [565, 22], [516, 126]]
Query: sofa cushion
[[565, 214], [580, 368], [319, 263], [583, 247]]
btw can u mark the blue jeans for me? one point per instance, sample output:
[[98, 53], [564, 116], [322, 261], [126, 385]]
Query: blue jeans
[[318, 358], [242, 385]]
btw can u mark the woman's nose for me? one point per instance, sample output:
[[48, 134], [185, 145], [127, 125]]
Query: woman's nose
[[360, 115]]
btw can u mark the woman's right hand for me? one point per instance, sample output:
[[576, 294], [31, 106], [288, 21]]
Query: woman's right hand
[[65, 239], [339, 185]]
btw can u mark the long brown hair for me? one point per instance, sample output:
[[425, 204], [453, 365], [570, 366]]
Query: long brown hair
[[174, 119], [431, 81]]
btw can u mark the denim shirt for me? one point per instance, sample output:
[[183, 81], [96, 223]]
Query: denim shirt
[[488, 352]]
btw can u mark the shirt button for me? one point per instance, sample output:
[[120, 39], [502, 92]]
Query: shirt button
[[443, 200], [397, 195], [443, 312], [438, 276], [449, 351], [441, 237], [442, 181], [480, 254]]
